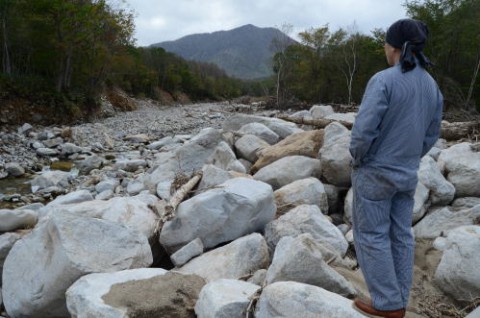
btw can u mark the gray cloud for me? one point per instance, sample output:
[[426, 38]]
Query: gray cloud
[[163, 20]]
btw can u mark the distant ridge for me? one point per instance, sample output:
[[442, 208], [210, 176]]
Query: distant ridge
[[245, 52]]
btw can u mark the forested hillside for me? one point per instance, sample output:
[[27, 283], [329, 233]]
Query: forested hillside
[[244, 52], [59, 56]]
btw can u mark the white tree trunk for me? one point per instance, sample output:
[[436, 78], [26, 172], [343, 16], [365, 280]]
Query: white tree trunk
[[472, 84], [7, 68]]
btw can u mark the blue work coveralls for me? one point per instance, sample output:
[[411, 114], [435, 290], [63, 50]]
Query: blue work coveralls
[[397, 124]]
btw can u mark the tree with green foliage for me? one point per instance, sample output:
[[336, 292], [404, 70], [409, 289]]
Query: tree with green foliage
[[61, 50], [330, 66], [454, 46]]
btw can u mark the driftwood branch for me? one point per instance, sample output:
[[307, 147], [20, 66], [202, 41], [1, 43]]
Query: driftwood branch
[[167, 212], [450, 131], [319, 123]]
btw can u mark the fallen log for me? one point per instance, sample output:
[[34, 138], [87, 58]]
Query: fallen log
[[459, 130], [167, 212], [319, 123], [450, 131]]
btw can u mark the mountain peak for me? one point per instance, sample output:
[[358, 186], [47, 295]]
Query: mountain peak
[[244, 52], [248, 26]]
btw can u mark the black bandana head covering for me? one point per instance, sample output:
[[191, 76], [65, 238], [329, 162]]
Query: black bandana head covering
[[410, 36]]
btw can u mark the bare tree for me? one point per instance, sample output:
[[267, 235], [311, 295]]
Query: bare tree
[[7, 67], [280, 44], [474, 78], [350, 58]]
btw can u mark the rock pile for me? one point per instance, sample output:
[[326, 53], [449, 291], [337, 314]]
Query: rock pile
[[267, 230]]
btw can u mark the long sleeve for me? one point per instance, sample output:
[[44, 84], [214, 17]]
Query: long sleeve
[[366, 128], [433, 131]]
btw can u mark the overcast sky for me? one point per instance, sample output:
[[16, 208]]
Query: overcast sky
[[163, 20]]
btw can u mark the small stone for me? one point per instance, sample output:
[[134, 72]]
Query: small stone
[[14, 169], [186, 253]]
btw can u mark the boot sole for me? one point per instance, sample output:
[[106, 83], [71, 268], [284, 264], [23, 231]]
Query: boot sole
[[364, 313]]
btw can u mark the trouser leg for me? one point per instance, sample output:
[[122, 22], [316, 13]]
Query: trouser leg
[[371, 229], [403, 242]]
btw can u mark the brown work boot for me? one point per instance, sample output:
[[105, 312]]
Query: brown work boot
[[365, 308]]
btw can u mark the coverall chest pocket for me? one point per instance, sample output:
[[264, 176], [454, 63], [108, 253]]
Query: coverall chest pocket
[[374, 185]]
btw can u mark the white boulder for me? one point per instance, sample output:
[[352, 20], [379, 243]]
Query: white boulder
[[306, 219], [66, 247], [441, 221], [300, 259], [234, 260], [84, 297], [287, 170], [441, 191], [335, 155], [11, 220], [292, 299], [237, 207], [306, 191], [225, 298], [457, 274], [261, 131]]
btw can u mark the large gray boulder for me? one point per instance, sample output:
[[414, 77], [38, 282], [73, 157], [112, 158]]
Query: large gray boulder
[[64, 248], [287, 170], [186, 253], [300, 259], [48, 179], [14, 169], [84, 297], [462, 163], [248, 147], [184, 160], [132, 212], [457, 274], [451, 154], [86, 165], [130, 165], [421, 204], [261, 131], [281, 127], [225, 298], [214, 176], [443, 220], [68, 149], [465, 203], [441, 191], [306, 191], [11, 220], [72, 197], [224, 158], [237, 259], [335, 155], [237, 207], [292, 299], [169, 140], [321, 111], [306, 219]]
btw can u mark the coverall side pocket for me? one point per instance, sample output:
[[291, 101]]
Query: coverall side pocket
[[374, 186]]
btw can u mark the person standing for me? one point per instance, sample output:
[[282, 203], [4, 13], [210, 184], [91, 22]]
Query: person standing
[[397, 124]]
